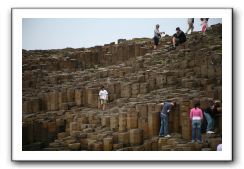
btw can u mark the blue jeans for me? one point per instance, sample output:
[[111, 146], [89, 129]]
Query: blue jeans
[[210, 121], [196, 130], [164, 125]]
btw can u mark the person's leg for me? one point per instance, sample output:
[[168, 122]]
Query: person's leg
[[161, 132], [166, 125], [156, 40], [104, 106], [189, 28], [193, 130], [199, 134], [173, 41], [208, 118], [192, 28]]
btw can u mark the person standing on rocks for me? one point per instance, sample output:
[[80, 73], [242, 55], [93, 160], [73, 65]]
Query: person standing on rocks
[[190, 22], [103, 96], [157, 36], [196, 117], [164, 115], [204, 24], [178, 38], [209, 115]]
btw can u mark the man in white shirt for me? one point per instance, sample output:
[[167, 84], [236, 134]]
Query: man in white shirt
[[103, 96]]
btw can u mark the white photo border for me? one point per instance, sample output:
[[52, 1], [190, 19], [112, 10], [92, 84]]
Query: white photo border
[[227, 138]]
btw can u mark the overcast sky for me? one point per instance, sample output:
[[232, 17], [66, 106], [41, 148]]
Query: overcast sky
[[52, 33]]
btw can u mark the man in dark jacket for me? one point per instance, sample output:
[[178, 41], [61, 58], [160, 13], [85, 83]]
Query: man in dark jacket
[[178, 38]]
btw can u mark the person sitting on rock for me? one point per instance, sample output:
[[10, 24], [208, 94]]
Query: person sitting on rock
[[157, 36], [196, 117], [103, 96], [209, 115], [178, 38], [164, 115]]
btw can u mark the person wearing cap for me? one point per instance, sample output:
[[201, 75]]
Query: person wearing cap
[[157, 36], [178, 38]]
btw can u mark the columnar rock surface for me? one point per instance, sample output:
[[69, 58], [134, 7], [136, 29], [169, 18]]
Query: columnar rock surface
[[60, 94]]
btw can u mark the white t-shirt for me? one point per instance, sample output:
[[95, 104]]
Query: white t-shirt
[[103, 94]]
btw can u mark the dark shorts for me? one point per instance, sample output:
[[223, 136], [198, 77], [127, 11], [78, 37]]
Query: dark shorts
[[156, 40], [177, 41]]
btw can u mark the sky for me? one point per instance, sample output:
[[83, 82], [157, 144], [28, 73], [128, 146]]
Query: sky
[[59, 33]]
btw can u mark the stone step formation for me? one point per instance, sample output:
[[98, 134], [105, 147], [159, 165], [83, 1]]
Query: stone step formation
[[60, 94]]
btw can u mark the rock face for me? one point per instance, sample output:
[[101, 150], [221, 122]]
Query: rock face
[[60, 94]]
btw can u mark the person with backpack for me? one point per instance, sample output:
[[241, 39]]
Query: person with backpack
[[164, 115], [196, 117], [190, 22], [178, 38], [157, 36]]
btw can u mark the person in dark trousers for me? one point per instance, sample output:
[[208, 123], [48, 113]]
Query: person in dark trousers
[[209, 113], [190, 22], [164, 115], [157, 36], [178, 38]]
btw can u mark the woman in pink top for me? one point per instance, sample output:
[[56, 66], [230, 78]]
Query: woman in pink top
[[204, 24], [196, 117]]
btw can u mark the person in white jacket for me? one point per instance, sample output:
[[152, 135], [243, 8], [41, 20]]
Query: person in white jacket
[[103, 97]]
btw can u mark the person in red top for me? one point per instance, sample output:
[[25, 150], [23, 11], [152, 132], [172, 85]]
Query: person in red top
[[196, 116]]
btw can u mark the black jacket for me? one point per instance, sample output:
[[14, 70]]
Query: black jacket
[[181, 36]]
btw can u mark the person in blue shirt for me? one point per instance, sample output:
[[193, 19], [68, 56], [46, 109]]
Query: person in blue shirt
[[164, 115]]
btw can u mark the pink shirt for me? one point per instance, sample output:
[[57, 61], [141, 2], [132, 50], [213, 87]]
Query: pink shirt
[[196, 114]]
